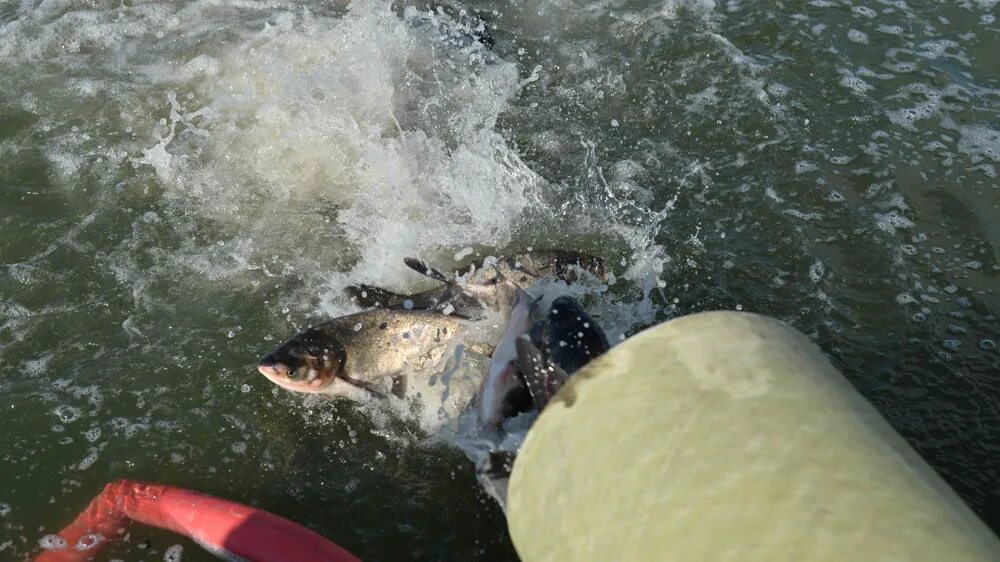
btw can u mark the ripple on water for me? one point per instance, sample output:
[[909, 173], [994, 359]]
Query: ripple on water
[[67, 414]]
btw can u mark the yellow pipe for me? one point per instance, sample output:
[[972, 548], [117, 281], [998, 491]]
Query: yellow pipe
[[728, 437]]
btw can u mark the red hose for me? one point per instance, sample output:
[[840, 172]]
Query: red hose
[[216, 524]]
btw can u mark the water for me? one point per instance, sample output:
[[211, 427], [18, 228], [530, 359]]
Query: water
[[183, 185]]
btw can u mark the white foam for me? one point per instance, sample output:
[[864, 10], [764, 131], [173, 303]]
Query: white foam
[[891, 221], [52, 542], [857, 36], [979, 142], [803, 167], [36, 366], [908, 116], [856, 84], [88, 460], [92, 435], [173, 553], [817, 271], [902, 67], [67, 414], [311, 145]]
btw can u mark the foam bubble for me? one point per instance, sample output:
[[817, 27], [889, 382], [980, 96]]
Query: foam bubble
[[88, 460], [4, 509], [92, 434], [907, 116], [902, 67], [988, 169], [857, 36], [856, 84], [67, 414], [802, 167], [37, 366], [802, 215], [979, 142], [173, 554], [88, 541], [816, 271], [891, 221], [890, 29], [52, 542]]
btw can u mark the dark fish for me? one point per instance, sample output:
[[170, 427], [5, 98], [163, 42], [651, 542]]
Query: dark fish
[[564, 342], [573, 337]]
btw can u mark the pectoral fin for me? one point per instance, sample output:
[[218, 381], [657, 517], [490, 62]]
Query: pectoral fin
[[423, 269]]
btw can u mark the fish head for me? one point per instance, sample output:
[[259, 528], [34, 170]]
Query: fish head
[[309, 362], [574, 338]]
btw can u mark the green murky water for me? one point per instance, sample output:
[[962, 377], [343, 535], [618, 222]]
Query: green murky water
[[183, 185]]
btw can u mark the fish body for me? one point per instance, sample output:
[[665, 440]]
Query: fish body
[[555, 348], [499, 392], [376, 352]]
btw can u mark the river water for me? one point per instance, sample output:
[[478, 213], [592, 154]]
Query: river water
[[185, 184]]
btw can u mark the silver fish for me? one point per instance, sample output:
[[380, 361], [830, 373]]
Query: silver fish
[[502, 380], [372, 353]]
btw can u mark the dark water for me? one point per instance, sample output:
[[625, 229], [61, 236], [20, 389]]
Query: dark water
[[183, 185]]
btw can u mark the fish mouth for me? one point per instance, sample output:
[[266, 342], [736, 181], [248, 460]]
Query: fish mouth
[[278, 374]]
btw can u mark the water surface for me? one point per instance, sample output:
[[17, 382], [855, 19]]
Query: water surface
[[183, 185]]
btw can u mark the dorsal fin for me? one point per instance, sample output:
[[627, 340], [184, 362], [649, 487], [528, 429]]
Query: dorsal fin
[[423, 269], [370, 296], [555, 380]]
